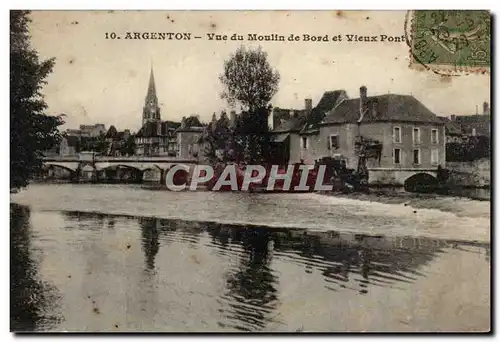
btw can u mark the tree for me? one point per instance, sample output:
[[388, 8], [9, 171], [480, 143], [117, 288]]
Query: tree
[[217, 136], [31, 130], [193, 121], [250, 81], [128, 147]]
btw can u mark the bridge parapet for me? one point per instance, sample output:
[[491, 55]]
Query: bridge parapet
[[132, 159]]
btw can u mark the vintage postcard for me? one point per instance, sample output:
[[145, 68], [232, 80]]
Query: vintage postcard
[[250, 171]]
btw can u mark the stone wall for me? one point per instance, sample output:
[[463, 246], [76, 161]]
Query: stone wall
[[394, 177], [470, 174]]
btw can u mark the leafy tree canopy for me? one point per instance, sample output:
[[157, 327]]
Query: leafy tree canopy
[[31, 131], [249, 79]]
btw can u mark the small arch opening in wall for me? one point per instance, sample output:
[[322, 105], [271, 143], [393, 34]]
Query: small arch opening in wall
[[422, 183]]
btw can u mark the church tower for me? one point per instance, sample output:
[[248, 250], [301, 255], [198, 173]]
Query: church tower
[[151, 112]]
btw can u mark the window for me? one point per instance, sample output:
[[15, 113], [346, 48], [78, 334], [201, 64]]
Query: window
[[397, 156], [434, 156], [416, 156], [396, 135], [416, 136], [434, 136], [304, 142], [334, 142]]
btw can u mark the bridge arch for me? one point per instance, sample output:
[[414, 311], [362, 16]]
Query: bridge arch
[[116, 166], [421, 182], [72, 167]]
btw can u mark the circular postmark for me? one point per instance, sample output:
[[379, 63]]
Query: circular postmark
[[448, 43]]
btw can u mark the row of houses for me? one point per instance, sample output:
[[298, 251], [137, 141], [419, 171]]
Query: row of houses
[[393, 135]]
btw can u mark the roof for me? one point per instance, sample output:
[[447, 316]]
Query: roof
[[191, 129], [383, 108], [452, 128], [281, 137], [150, 129], [293, 124], [111, 133], [327, 102], [482, 124]]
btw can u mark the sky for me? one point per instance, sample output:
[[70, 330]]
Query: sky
[[99, 80]]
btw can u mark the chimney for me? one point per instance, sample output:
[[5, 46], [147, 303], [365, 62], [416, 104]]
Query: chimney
[[183, 122], [308, 104], [362, 100], [232, 118], [486, 108]]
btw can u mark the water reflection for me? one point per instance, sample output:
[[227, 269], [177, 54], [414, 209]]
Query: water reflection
[[251, 287], [150, 240], [253, 261], [32, 301]]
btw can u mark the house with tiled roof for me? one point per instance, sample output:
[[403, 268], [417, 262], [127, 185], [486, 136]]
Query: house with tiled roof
[[117, 141], [294, 128], [453, 130], [188, 135], [404, 132], [474, 125], [155, 138]]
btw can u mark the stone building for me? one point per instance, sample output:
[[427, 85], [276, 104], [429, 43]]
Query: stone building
[[293, 126], [406, 136], [188, 139], [117, 142]]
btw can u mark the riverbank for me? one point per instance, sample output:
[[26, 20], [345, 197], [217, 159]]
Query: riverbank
[[399, 196]]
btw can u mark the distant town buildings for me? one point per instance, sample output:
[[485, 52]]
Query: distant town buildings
[[119, 143], [89, 131], [459, 128]]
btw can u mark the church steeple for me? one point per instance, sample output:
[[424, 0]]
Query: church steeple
[[151, 110], [151, 94]]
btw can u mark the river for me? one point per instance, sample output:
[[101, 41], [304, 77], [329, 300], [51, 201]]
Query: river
[[123, 258]]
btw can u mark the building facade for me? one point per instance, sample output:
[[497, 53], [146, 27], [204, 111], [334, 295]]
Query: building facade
[[188, 141], [296, 129], [407, 135], [118, 142], [392, 135]]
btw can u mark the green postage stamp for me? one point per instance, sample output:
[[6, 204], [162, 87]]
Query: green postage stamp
[[451, 40]]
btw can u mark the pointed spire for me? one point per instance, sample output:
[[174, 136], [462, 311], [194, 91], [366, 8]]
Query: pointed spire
[[151, 94]]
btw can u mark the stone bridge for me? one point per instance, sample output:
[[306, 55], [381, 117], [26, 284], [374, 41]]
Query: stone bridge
[[91, 165]]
